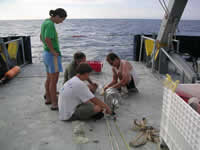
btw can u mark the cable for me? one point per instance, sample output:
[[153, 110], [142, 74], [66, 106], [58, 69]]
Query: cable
[[110, 132], [42, 76], [164, 6], [120, 133], [109, 135]]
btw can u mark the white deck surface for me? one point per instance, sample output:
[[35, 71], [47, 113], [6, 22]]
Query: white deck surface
[[26, 123]]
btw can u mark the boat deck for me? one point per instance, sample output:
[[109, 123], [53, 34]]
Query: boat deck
[[27, 123]]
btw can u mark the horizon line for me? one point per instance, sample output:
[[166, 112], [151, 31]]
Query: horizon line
[[97, 19]]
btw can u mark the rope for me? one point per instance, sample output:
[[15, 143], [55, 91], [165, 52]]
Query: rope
[[148, 133], [111, 133], [117, 127], [42, 76], [126, 144]]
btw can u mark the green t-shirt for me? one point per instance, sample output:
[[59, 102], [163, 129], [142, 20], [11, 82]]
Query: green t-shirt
[[48, 30]]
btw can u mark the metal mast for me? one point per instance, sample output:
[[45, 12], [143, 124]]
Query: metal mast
[[168, 27]]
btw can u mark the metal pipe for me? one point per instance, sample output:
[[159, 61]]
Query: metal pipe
[[5, 52], [154, 51], [12, 41], [177, 66], [141, 43], [183, 77], [22, 43], [148, 38], [171, 59], [178, 45]]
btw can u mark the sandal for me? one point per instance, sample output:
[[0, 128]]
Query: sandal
[[57, 93], [54, 108], [47, 102]]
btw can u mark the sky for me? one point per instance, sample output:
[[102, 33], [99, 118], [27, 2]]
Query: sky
[[136, 9]]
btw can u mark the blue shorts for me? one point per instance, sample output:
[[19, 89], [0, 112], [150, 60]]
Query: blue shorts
[[52, 63]]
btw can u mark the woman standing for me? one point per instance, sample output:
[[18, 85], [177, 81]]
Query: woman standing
[[52, 54]]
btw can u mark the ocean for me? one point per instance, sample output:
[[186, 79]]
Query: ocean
[[95, 37]]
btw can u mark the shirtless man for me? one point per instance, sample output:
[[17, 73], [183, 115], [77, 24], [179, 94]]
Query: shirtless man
[[123, 71]]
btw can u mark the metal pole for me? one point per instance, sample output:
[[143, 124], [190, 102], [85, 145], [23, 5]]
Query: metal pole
[[12, 41], [141, 44], [183, 77], [153, 62], [148, 38], [168, 26], [22, 43], [5, 52], [171, 59]]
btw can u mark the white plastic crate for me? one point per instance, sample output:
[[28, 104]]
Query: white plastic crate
[[180, 124]]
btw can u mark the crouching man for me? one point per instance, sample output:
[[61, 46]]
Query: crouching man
[[70, 71], [76, 101], [123, 74]]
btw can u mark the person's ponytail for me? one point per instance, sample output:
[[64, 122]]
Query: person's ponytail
[[58, 12], [52, 13]]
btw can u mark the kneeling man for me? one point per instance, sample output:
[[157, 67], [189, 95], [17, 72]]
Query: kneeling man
[[123, 74], [76, 101]]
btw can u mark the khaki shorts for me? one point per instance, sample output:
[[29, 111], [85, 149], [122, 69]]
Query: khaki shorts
[[83, 111]]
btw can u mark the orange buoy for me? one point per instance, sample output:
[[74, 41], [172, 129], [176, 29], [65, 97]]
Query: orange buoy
[[12, 72]]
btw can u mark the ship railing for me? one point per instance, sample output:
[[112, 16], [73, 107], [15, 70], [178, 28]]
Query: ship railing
[[5, 52], [183, 72], [177, 66]]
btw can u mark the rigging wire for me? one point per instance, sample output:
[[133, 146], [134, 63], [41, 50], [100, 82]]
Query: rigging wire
[[164, 6]]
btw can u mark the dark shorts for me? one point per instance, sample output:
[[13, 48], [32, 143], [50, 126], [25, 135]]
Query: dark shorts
[[131, 84], [83, 112]]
